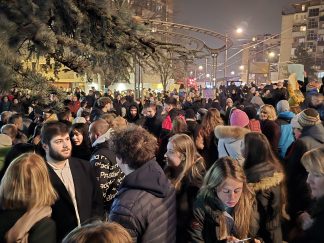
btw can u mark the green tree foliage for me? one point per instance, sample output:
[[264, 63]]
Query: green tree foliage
[[87, 36], [302, 56]]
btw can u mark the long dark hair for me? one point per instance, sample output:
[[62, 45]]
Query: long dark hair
[[257, 149], [83, 129], [82, 150]]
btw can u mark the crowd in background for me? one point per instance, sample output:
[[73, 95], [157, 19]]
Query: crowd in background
[[247, 163]]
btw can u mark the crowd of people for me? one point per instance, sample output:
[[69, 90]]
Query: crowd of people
[[244, 166]]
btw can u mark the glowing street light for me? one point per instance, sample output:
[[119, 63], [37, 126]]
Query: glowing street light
[[207, 75], [232, 73], [239, 30], [200, 67], [241, 67], [272, 54]]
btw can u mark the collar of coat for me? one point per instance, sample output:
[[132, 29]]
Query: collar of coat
[[267, 182], [230, 132]]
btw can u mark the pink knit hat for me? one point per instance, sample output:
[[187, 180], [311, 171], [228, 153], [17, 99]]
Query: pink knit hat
[[239, 118]]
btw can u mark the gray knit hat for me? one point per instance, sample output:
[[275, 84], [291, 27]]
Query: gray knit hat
[[283, 106], [309, 117]]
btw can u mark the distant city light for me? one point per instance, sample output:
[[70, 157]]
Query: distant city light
[[200, 67]]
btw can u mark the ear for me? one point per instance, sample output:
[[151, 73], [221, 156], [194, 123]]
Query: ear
[[45, 147]]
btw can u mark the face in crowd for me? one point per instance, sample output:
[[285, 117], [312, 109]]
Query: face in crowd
[[173, 157], [315, 181], [77, 137], [150, 112], [229, 192], [59, 147], [133, 111]]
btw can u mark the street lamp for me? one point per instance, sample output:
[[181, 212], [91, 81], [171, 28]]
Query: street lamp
[[232, 73], [200, 68], [272, 54], [238, 31]]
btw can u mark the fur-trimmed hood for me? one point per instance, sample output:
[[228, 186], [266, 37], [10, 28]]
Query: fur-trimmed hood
[[263, 176], [268, 182], [223, 132]]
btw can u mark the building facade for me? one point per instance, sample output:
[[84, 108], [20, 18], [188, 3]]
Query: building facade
[[260, 58], [303, 24]]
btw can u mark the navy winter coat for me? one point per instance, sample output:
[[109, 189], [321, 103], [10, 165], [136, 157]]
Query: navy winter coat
[[146, 205]]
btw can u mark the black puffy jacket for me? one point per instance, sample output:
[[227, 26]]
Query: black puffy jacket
[[146, 205]]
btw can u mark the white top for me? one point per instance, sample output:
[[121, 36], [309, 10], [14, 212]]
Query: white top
[[66, 177]]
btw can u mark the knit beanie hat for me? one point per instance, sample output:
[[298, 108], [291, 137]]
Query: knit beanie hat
[[5, 141], [309, 117], [283, 106], [239, 118]]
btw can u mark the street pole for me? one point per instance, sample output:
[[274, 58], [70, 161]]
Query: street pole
[[226, 56], [206, 71], [214, 56]]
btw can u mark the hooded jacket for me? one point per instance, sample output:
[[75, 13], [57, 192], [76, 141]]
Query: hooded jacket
[[137, 119], [230, 139], [286, 132], [266, 183], [146, 205]]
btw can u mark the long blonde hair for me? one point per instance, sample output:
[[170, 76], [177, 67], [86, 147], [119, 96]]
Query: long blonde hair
[[26, 184], [224, 168], [270, 111], [192, 163]]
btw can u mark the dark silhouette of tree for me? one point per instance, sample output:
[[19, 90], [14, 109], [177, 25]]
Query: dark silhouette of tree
[[302, 56], [86, 36]]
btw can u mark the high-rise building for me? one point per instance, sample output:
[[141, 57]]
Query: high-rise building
[[260, 58], [303, 24]]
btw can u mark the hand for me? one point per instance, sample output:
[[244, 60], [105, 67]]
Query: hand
[[257, 241], [231, 239], [305, 220]]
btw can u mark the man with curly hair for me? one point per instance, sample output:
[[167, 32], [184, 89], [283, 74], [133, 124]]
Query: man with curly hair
[[145, 204]]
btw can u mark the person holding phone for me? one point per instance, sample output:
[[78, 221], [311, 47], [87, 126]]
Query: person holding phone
[[224, 208]]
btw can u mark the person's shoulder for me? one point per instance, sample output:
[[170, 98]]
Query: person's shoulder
[[43, 230], [79, 163]]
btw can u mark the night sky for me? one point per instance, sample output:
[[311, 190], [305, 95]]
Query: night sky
[[255, 16]]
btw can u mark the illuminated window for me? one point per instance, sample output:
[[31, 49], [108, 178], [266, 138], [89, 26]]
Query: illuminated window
[[303, 28], [303, 7]]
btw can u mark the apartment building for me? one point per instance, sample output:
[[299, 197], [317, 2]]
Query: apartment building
[[303, 24], [260, 58]]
